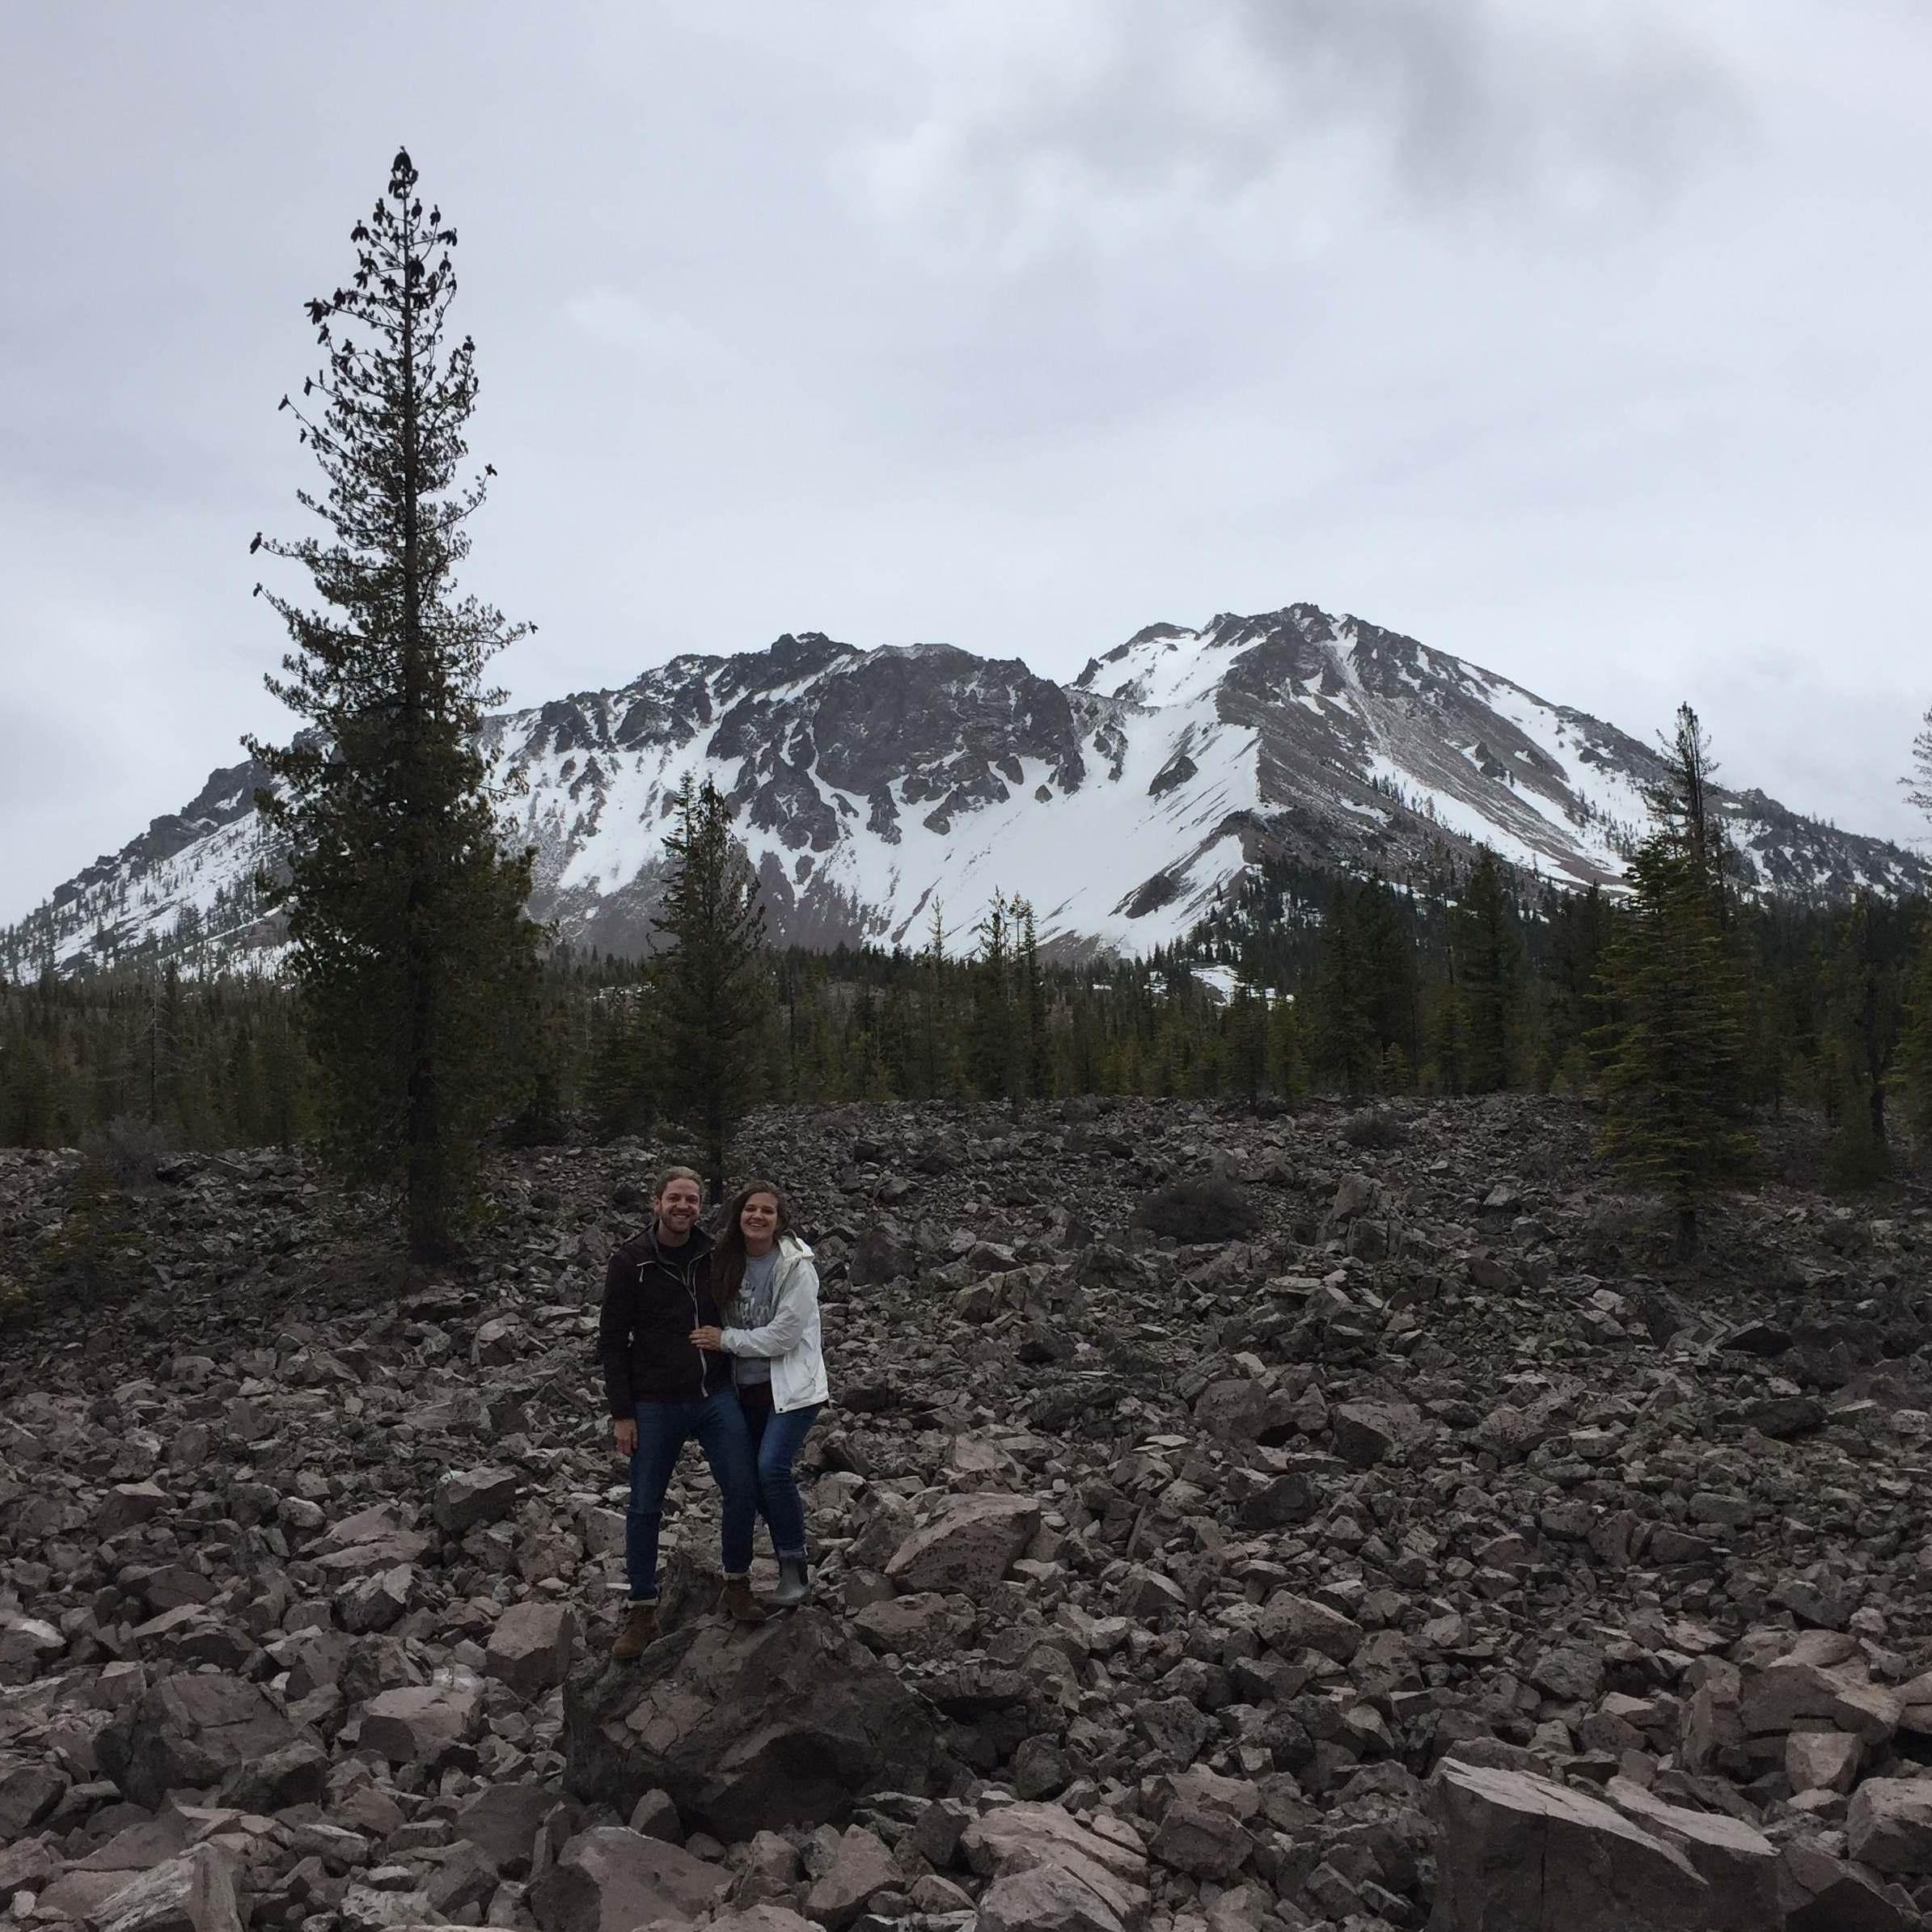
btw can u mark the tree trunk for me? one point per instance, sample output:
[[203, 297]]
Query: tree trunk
[[1684, 1247]]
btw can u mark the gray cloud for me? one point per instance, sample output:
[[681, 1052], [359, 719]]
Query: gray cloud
[[1586, 342]]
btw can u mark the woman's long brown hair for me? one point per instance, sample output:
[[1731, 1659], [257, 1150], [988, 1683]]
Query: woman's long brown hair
[[727, 1256]]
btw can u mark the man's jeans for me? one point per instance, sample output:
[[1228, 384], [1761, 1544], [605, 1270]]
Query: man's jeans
[[663, 1428], [775, 1440]]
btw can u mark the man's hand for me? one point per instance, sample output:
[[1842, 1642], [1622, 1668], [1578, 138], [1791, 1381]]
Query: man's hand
[[708, 1339], [623, 1428]]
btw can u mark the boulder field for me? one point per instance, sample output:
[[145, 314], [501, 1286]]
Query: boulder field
[[1226, 1523]]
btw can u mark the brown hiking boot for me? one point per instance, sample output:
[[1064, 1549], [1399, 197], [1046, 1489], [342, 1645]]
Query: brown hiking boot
[[736, 1601], [639, 1632]]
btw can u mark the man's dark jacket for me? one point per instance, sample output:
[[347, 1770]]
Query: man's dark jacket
[[653, 1298]]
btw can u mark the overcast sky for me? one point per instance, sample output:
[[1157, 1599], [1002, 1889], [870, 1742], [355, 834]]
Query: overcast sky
[[1587, 342]]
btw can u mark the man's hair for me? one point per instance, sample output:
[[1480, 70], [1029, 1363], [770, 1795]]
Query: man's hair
[[677, 1173]]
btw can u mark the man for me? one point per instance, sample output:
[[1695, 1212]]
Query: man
[[662, 1390]]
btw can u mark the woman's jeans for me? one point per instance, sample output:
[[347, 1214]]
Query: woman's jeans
[[776, 1439], [663, 1428]]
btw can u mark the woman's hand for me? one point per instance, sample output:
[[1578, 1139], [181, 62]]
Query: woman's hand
[[710, 1339], [623, 1431]]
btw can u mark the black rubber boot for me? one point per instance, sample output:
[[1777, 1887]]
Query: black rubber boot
[[794, 1582]]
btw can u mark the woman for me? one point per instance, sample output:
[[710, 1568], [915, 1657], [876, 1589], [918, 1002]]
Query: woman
[[762, 1278], [662, 1392]]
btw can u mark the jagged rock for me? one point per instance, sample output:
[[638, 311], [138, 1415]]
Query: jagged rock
[[1044, 1898], [787, 1725], [1817, 1892], [127, 1504], [502, 1820], [609, 1879], [968, 1547], [1737, 1862], [1291, 1623], [466, 1497], [190, 1731], [1889, 1826], [1201, 1840], [1102, 1856], [196, 1892], [422, 1723], [532, 1646], [27, 1645], [1367, 1433], [29, 1790], [860, 1868], [1517, 1853]]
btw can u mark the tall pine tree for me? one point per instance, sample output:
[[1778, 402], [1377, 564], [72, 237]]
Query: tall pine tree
[[1489, 953], [713, 977], [1674, 1119], [408, 940]]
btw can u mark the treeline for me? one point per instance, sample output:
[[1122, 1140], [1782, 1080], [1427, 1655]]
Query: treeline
[[1340, 985]]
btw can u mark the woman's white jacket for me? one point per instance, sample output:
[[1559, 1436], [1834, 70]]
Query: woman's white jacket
[[790, 1341]]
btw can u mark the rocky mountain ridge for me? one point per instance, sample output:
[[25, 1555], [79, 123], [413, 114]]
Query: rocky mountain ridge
[[873, 788], [1316, 1523]]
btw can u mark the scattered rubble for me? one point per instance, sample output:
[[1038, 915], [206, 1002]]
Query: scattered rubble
[[1406, 1548]]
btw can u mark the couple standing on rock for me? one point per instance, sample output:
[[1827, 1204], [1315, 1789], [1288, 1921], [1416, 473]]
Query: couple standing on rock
[[718, 1340]]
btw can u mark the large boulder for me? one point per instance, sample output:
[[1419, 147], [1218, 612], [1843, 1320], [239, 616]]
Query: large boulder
[[195, 1892], [1889, 1827], [466, 1497], [190, 1731], [609, 1879], [1737, 1861], [1101, 1869], [532, 1646], [968, 1547], [1518, 1853], [422, 1723], [787, 1724]]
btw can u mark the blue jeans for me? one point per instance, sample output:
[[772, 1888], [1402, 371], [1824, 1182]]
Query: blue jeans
[[775, 1440], [663, 1428]]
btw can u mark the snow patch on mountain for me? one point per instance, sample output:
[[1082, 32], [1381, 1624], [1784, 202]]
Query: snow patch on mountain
[[872, 787]]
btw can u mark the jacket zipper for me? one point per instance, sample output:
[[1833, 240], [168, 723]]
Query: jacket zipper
[[690, 1288]]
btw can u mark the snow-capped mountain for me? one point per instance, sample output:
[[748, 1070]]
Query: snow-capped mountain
[[874, 786]]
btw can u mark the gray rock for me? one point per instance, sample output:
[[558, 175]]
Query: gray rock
[[787, 1724], [532, 1646], [196, 1892], [860, 1868], [968, 1547], [466, 1497], [1521, 1852], [609, 1879], [190, 1731], [1889, 1826]]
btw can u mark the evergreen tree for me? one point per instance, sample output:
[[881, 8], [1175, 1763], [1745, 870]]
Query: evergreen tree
[[1247, 1035], [1862, 978], [408, 940], [1918, 786], [713, 977], [1681, 802], [1488, 955], [1912, 1078], [1674, 1120], [1290, 1056], [1032, 1004], [1342, 1043], [992, 1042]]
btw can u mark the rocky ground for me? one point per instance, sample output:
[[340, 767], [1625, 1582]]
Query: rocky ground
[[1381, 1539]]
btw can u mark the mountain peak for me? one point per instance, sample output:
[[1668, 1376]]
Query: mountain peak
[[870, 784]]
